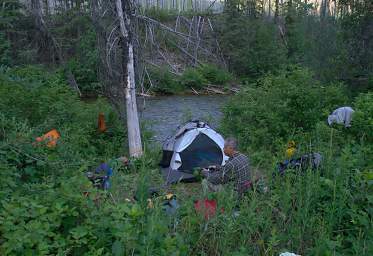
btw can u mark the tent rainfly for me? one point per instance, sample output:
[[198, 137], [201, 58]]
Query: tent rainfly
[[194, 145]]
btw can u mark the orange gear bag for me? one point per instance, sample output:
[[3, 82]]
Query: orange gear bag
[[101, 123], [50, 137]]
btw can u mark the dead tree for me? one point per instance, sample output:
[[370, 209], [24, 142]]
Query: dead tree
[[128, 82], [112, 20]]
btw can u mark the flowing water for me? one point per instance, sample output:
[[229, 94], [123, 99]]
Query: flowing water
[[162, 115]]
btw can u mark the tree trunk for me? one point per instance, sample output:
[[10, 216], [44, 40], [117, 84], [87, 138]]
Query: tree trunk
[[128, 81]]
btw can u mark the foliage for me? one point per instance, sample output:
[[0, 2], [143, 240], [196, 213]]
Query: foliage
[[252, 47], [47, 201], [79, 42], [161, 15], [277, 107], [49, 207], [13, 26], [363, 117], [193, 79], [45, 102], [320, 212], [357, 36], [5, 58], [215, 75], [165, 82]]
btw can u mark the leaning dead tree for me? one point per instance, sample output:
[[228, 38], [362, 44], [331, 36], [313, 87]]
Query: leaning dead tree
[[178, 44], [113, 20]]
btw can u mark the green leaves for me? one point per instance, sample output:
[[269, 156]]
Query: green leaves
[[193, 79], [117, 248], [280, 106]]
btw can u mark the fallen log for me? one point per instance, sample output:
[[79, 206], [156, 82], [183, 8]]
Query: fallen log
[[144, 95], [195, 92], [215, 90]]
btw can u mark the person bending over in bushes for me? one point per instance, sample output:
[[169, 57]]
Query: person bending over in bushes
[[236, 170]]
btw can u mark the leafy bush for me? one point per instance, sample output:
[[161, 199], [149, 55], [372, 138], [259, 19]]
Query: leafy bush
[[193, 79], [45, 102], [362, 121], [84, 65], [164, 82], [48, 207], [4, 50], [277, 107], [215, 75], [252, 47], [48, 202]]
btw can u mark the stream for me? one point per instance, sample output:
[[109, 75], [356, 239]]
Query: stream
[[162, 115]]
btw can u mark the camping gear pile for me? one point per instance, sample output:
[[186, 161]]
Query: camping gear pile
[[170, 204], [100, 177], [307, 161], [194, 145]]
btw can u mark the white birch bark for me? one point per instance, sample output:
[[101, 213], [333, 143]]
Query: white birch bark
[[133, 127]]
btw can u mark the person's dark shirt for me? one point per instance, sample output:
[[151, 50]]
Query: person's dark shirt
[[235, 170]]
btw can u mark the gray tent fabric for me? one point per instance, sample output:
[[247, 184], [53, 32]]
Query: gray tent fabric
[[342, 115], [174, 176], [170, 142], [194, 145]]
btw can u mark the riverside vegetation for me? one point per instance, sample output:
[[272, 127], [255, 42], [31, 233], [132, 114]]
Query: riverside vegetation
[[44, 210], [286, 94]]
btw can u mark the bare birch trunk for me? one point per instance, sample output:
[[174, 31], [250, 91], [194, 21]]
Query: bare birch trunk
[[133, 127]]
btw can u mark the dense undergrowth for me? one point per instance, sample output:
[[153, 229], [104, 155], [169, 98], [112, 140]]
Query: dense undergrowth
[[191, 79], [45, 208], [48, 207]]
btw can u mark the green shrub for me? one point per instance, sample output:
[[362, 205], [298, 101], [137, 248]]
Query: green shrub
[[362, 120], [44, 202], [4, 50], [45, 102], [84, 65], [164, 82], [252, 47], [278, 107], [215, 75], [85, 76], [193, 79]]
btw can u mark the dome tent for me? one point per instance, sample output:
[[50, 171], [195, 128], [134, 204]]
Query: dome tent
[[194, 144]]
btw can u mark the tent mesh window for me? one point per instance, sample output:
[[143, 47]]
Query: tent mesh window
[[201, 153], [166, 158]]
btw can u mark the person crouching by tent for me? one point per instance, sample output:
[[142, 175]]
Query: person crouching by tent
[[236, 170]]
